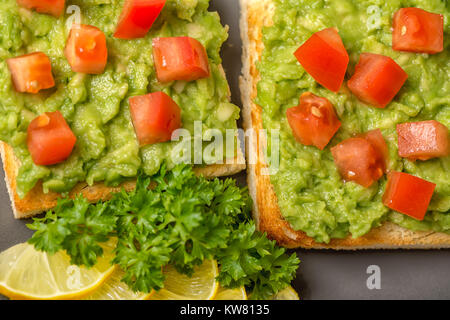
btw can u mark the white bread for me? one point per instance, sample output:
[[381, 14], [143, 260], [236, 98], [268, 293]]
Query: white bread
[[36, 201], [254, 15]]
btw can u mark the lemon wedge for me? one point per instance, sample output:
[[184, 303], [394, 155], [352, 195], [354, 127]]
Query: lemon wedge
[[115, 289], [201, 286], [26, 273], [231, 294], [287, 294]]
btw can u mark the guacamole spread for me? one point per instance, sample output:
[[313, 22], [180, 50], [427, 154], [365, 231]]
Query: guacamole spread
[[311, 194], [96, 106]]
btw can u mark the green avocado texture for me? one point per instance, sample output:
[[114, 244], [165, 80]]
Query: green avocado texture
[[310, 191], [96, 106]]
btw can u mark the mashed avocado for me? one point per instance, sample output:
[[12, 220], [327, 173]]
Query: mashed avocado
[[96, 106], [311, 194]]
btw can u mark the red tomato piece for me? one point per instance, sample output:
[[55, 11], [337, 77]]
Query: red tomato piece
[[50, 139], [324, 57], [375, 137], [86, 49], [314, 122], [377, 79], [155, 117], [137, 18], [408, 194], [422, 140], [417, 30], [53, 7], [31, 73], [180, 58], [362, 159]]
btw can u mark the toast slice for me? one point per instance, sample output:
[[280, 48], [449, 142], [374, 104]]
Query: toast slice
[[36, 201], [254, 15]]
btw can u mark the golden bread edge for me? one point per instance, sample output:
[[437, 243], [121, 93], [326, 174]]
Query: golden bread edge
[[254, 15], [36, 201]]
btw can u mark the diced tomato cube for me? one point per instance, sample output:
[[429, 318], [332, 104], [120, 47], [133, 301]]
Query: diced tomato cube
[[31, 73], [314, 122], [50, 139], [155, 117], [377, 79], [324, 57], [86, 49], [422, 140], [180, 58], [408, 194], [375, 137], [418, 30], [362, 159], [53, 7], [137, 18]]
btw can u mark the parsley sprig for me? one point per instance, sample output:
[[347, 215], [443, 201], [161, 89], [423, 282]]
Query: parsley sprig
[[174, 217]]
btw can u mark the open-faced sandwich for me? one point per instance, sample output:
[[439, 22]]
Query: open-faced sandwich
[[358, 93], [92, 92]]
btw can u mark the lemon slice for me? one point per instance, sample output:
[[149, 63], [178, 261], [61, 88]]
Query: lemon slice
[[201, 286], [115, 289], [26, 273], [231, 294], [287, 294]]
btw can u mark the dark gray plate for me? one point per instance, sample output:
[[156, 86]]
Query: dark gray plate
[[322, 274]]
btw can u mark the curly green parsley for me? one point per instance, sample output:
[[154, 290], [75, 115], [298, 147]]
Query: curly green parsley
[[174, 217]]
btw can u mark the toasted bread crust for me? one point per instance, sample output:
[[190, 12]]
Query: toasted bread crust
[[255, 15], [36, 201]]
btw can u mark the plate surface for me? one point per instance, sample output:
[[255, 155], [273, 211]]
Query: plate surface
[[322, 274]]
